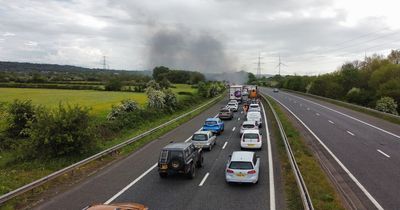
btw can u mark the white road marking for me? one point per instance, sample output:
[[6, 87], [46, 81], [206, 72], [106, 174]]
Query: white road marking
[[355, 180], [383, 153], [241, 112], [223, 147], [353, 118], [204, 179], [350, 133], [331, 121], [317, 114], [130, 184], [140, 177], [272, 205], [233, 129], [308, 108], [238, 118]]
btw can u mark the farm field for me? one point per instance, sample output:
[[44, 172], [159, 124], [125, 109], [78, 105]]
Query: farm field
[[100, 101]]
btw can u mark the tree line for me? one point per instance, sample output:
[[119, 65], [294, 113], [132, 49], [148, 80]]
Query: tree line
[[373, 82]]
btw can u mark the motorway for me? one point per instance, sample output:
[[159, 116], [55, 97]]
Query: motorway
[[135, 178], [365, 148]]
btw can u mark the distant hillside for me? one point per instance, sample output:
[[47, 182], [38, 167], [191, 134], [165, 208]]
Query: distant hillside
[[36, 67]]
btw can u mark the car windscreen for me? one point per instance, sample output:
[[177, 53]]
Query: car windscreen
[[253, 105], [231, 104], [248, 126], [199, 137], [241, 165], [224, 111], [210, 123], [253, 115], [250, 136]]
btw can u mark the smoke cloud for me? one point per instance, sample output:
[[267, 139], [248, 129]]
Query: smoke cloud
[[181, 49]]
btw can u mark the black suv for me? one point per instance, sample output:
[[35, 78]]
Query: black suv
[[180, 158]]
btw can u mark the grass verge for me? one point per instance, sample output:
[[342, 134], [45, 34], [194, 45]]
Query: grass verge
[[354, 107], [35, 170], [322, 192], [292, 194]]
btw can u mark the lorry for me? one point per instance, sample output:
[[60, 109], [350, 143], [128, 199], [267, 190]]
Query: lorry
[[235, 93], [253, 92]]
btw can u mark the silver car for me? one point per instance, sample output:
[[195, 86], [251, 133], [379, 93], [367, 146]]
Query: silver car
[[204, 139], [242, 167], [254, 108]]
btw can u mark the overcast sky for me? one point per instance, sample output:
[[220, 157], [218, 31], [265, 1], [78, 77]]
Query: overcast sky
[[311, 36]]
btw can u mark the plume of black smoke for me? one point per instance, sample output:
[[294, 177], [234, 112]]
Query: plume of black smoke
[[180, 49]]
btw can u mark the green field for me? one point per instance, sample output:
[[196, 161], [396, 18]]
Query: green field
[[100, 101]]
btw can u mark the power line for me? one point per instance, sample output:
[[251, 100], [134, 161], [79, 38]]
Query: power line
[[280, 64]]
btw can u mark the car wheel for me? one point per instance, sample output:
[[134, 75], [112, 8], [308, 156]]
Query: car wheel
[[192, 172], [200, 162], [163, 175]]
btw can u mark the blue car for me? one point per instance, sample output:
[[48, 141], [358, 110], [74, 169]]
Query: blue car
[[214, 125]]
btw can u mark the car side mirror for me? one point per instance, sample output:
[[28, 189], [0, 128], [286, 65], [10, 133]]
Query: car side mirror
[[257, 156], [229, 156]]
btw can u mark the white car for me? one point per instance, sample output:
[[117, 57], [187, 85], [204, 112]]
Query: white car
[[204, 139], [242, 167], [251, 139], [233, 106], [256, 117], [234, 101], [254, 107], [248, 125]]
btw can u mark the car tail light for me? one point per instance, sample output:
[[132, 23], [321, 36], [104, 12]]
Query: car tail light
[[251, 172], [229, 171]]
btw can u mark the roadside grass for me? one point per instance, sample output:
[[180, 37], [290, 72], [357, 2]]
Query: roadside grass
[[322, 192], [354, 107], [292, 194], [19, 174]]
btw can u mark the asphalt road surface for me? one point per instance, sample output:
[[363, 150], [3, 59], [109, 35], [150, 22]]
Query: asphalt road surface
[[367, 149], [135, 178]]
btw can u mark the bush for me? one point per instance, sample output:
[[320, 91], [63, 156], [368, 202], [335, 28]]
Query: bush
[[126, 105], [153, 84], [64, 131], [113, 85], [20, 115], [156, 99], [170, 100], [387, 104]]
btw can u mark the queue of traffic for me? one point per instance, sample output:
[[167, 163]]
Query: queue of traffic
[[242, 166]]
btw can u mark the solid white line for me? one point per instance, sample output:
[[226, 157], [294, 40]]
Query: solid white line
[[204, 179], [350, 133], [223, 147], [233, 129], [130, 184], [331, 122], [353, 118], [370, 197], [272, 205], [383, 153], [317, 114]]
